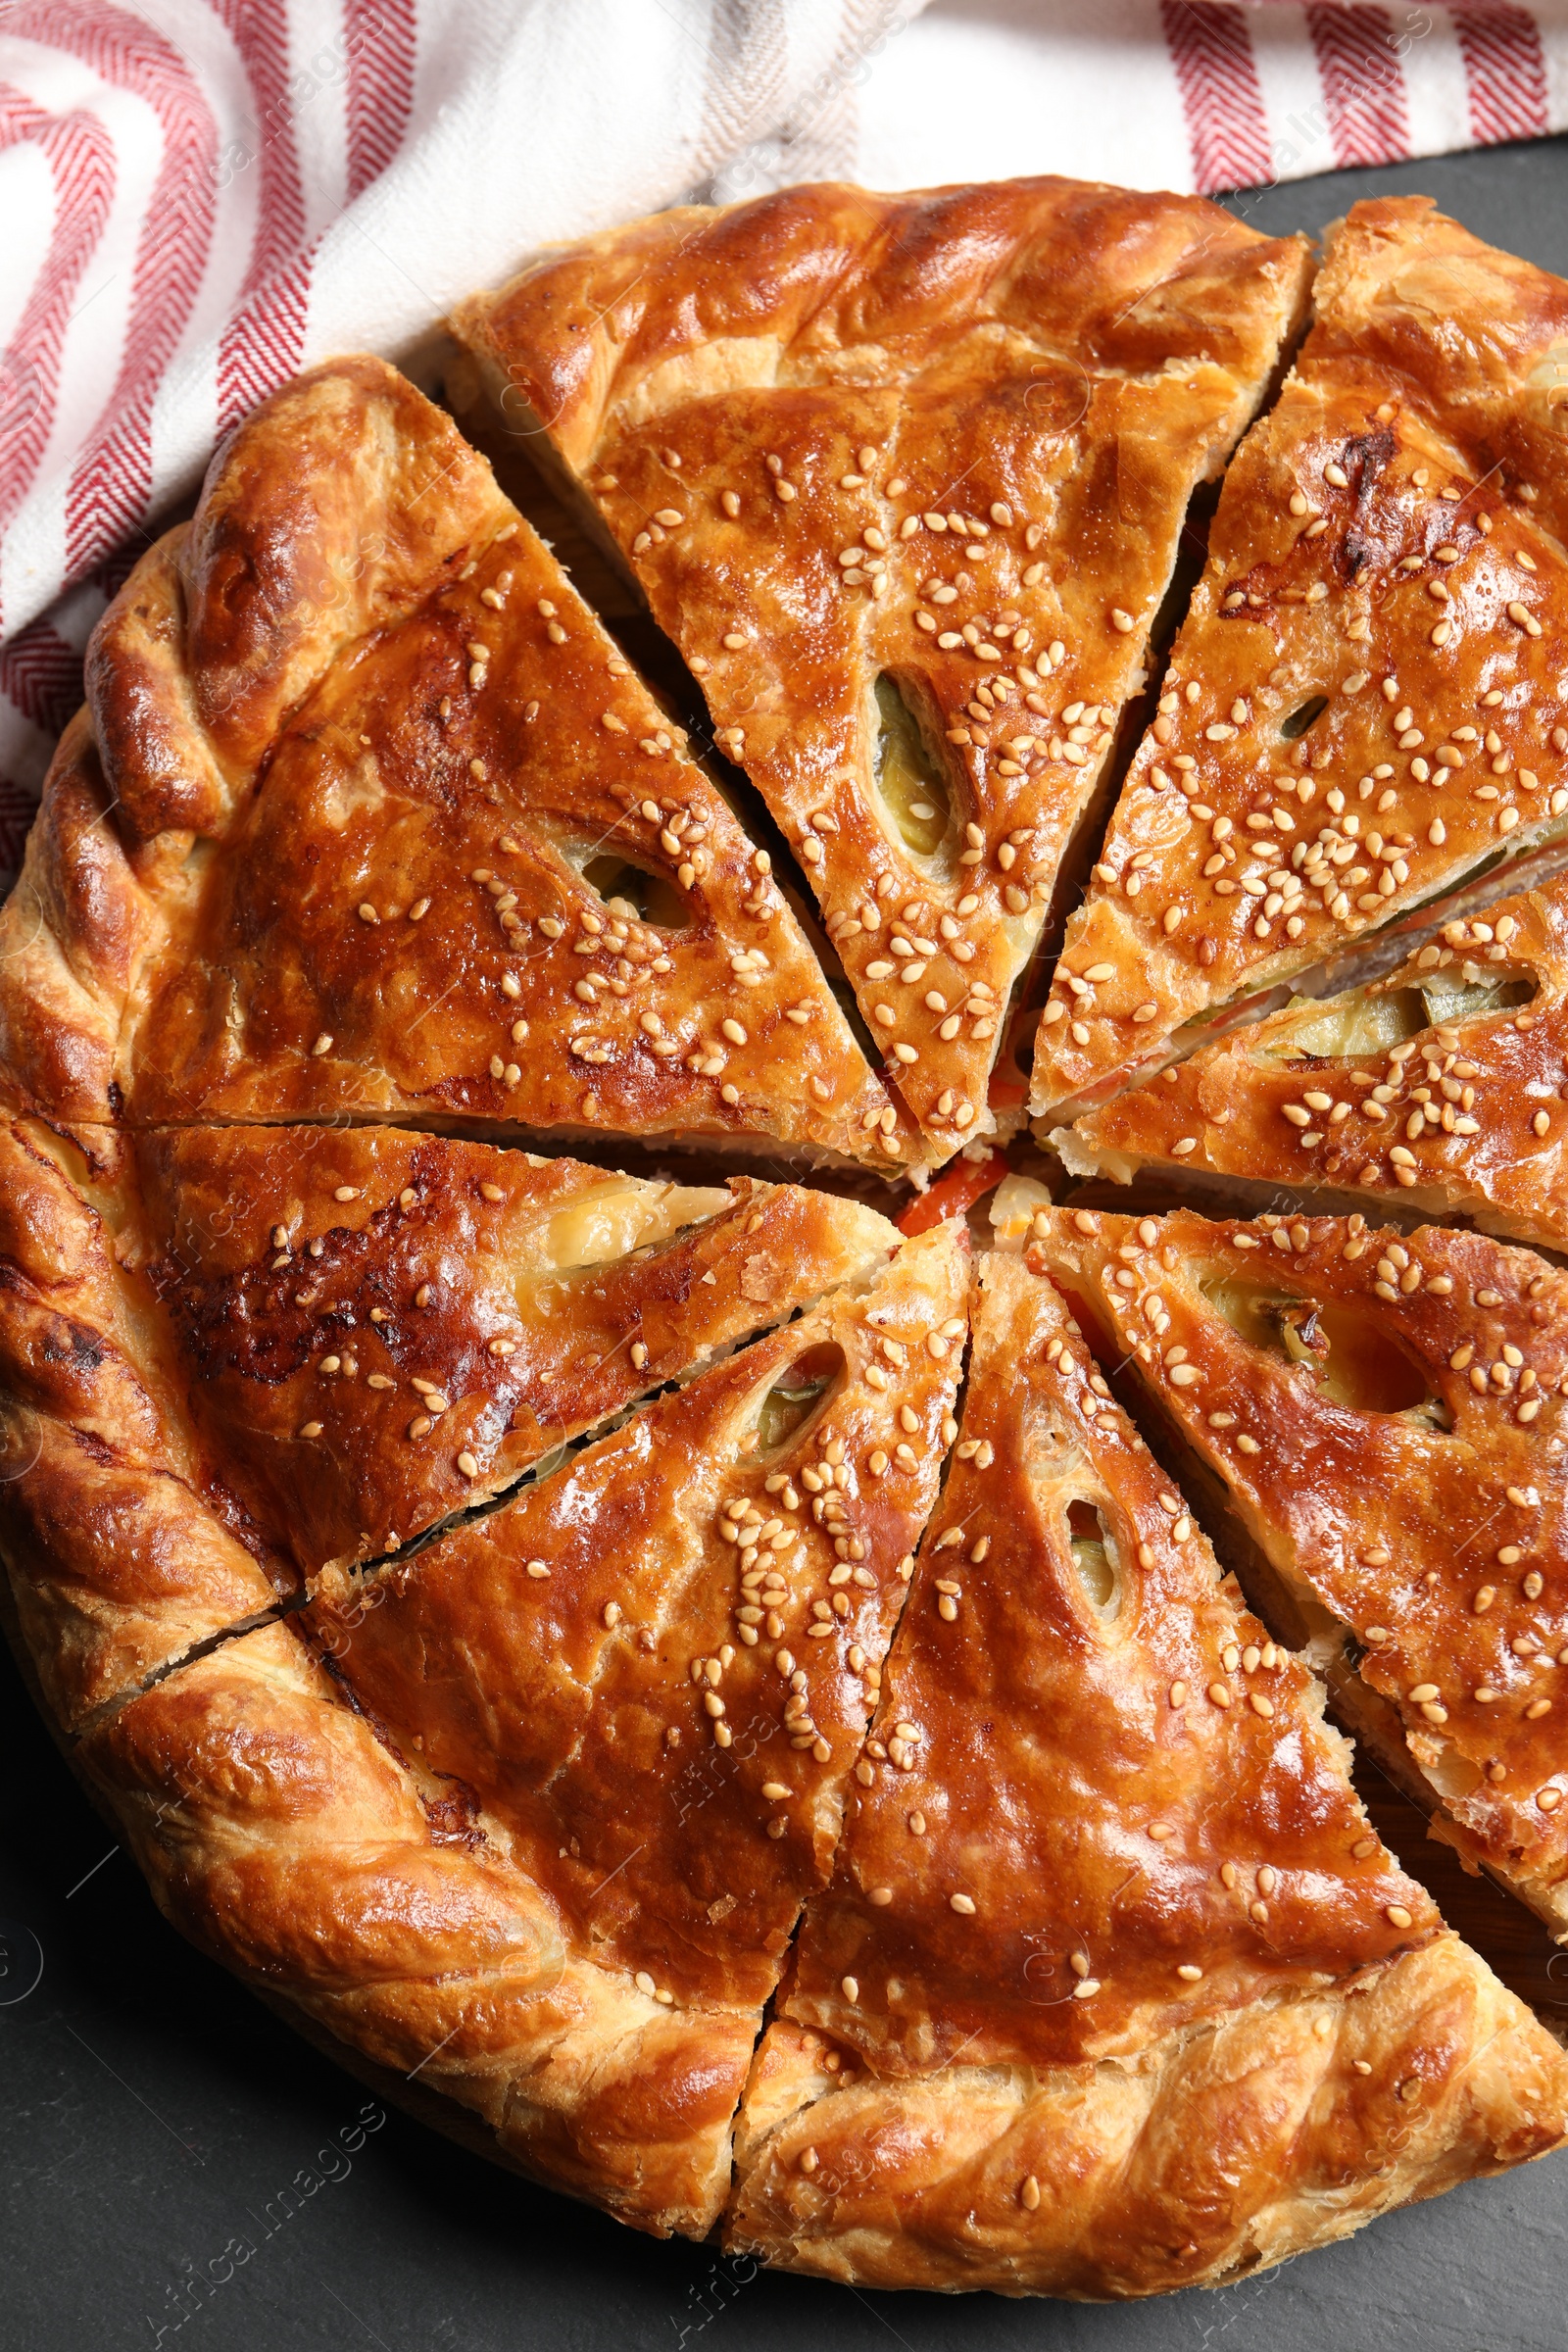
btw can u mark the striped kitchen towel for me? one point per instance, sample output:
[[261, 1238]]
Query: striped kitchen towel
[[202, 196]]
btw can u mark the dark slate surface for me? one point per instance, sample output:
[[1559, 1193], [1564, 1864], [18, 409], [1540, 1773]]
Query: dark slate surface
[[172, 2158]]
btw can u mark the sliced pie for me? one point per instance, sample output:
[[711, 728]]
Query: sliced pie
[[368, 817], [231, 1356], [542, 1833], [1439, 1088], [379, 1329], [366, 1896], [1379, 1421], [1114, 1989], [903, 476], [1366, 705]]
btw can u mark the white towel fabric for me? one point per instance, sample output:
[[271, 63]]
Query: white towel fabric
[[202, 196]]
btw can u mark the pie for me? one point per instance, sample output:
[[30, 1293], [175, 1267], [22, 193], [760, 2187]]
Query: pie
[[528, 1813], [228, 1369], [903, 477], [1438, 1088], [333, 1287], [1378, 1423], [1114, 1988], [1364, 704], [390, 808], [587, 1565]]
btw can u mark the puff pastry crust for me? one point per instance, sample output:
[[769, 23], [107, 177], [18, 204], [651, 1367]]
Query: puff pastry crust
[[1437, 1089], [1114, 1988], [229, 1357], [1384, 1414], [285, 1838], [123, 1545], [329, 838], [514, 1607], [379, 1329], [944, 441], [543, 1823], [1365, 698]]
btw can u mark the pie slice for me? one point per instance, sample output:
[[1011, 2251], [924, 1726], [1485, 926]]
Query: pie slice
[[233, 1355], [1114, 1989], [542, 1833], [379, 1329], [1378, 1420], [368, 817], [903, 476], [1365, 706], [1438, 1088], [365, 1897]]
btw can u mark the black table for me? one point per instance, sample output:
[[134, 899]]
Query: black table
[[156, 2125]]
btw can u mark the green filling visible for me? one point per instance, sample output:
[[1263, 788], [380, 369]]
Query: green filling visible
[[1093, 1555], [1351, 1358], [910, 781], [1364, 1023], [792, 1401]]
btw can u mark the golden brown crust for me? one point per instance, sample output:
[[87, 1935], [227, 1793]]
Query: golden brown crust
[[1131, 280], [1104, 1984], [1442, 1101], [1403, 289], [1385, 1415], [379, 1329], [124, 1548], [73, 934], [365, 760], [177, 1452], [1102, 1826], [1114, 1989], [774, 405], [537, 1867], [1227, 2150], [1387, 555], [279, 1833], [628, 1686]]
